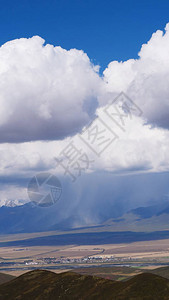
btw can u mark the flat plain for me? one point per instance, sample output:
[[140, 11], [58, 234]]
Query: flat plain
[[143, 254]]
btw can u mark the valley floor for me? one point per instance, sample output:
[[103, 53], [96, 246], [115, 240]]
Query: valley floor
[[143, 255]]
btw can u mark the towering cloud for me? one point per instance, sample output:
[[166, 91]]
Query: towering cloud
[[145, 80], [49, 93], [46, 92]]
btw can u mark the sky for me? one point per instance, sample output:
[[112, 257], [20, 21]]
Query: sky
[[105, 30], [69, 68]]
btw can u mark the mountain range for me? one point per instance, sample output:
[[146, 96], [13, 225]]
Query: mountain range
[[28, 218]]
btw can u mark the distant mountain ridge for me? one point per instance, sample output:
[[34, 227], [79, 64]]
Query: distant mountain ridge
[[12, 203], [150, 211], [29, 218]]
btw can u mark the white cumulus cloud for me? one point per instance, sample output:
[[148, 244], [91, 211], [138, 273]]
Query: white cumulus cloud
[[146, 79], [46, 92]]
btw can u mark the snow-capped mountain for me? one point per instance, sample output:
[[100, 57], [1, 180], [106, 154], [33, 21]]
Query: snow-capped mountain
[[12, 203]]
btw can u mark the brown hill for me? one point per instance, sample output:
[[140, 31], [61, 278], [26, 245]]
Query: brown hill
[[145, 286], [163, 271], [46, 285], [5, 278]]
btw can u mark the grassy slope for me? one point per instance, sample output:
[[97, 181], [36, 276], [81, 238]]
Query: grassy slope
[[41, 285], [112, 273], [5, 278]]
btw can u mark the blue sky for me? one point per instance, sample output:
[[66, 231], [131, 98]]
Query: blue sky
[[105, 30]]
